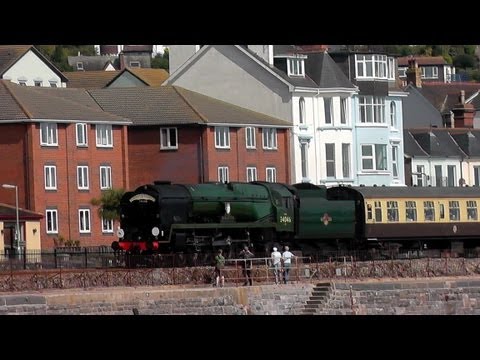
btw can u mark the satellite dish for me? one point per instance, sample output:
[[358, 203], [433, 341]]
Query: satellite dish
[[120, 233], [155, 231]]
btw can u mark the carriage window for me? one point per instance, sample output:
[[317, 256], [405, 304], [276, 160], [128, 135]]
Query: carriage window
[[454, 209], [411, 210], [472, 210], [429, 210], [369, 211], [442, 211], [392, 210], [378, 211]]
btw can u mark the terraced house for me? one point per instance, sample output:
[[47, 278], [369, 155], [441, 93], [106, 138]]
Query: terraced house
[[61, 150]]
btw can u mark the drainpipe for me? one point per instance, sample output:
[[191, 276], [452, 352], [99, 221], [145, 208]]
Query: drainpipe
[[317, 173]]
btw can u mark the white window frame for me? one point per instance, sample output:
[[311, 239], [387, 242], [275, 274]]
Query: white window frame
[[420, 172], [451, 181], [82, 131], [107, 226], [223, 174], [346, 160], [37, 83], [251, 174], [330, 161], [250, 137], [80, 66], [84, 221], [104, 135], [271, 174], [295, 67], [51, 228], [105, 177], [343, 111], [304, 160], [393, 114], [53, 84], [22, 82], [373, 157], [222, 137], [376, 63], [434, 72], [50, 177], [48, 134], [395, 162], [372, 109], [328, 110], [135, 64], [82, 177], [166, 138], [391, 68], [402, 72], [476, 175], [269, 136], [301, 111]]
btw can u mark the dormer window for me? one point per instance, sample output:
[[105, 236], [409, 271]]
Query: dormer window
[[80, 66], [135, 64], [295, 67]]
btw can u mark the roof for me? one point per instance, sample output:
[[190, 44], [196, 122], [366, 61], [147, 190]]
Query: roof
[[468, 140], [9, 212], [372, 192], [90, 79], [418, 112], [325, 72], [137, 48], [94, 62], [422, 60], [31, 103], [411, 146], [151, 77], [175, 106], [10, 54], [445, 95], [437, 142]]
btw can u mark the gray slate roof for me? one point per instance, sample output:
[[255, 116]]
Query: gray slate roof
[[437, 143], [469, 141], [173, 105], [418, 112], [32, 103], [325, 72], [411, 146]]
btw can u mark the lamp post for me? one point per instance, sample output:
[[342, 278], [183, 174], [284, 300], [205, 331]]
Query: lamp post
[[17, 225]]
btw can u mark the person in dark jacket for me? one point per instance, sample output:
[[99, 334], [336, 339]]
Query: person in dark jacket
[[219, 264], [246, 264]]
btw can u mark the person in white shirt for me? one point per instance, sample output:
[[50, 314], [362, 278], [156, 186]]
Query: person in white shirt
[[287, 263], [276, 263]]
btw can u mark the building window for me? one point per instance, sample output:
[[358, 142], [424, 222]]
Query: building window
[[438, 175], [393, 114], [84, 220], [429, 72], [371, 66], [223, 174], [53, 84], [269, 138], [395, 161], [51, 219], [391, 68], [419, 175], [222, 137], [472, 213], [135, 64], [105, 177], [37, 83], [402, 72], [372, 109], [328, 110], [330, 160], [454, 210], [50, 172], [168, 138], [22, 82], [392, 210], [271, 174], [302, 110], [442, 211], [48, 134], [476, 174], [411, 210], [104, 135], [107, 226], [378, 211], [251, 174], [304, 159], [82, 177], [250, 137], [452, 175], [374, 157], [346, 160], [429, 210], [79, 66], [82, 137], [296, 67], [343, 111]]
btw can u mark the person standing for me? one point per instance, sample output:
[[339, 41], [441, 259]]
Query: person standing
[[246, 264], [287, 263], [219, 264], [276, 263]]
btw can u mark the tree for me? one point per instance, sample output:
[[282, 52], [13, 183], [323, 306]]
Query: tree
[[109, 204], [464, 61], [161, 61]]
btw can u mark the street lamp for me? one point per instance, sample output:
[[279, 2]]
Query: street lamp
[[17, 225]]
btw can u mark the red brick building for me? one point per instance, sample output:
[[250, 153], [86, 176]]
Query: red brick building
[[186, 137], [61, 150]]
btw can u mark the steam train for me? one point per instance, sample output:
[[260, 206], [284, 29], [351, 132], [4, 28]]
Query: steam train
[[166, 217]]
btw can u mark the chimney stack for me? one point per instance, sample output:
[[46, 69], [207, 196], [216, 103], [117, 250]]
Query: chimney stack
[[414, 75], [121, 58], [463, 114]]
